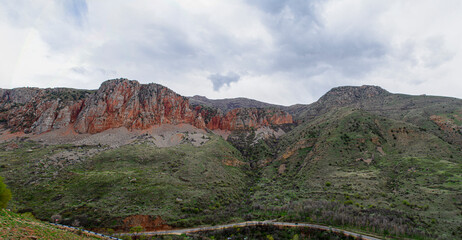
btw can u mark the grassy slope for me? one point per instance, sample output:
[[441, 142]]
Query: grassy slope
[[186, 185], [419, 176], [15, 226]]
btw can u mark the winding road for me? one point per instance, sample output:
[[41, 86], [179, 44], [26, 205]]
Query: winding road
[[251, 223]]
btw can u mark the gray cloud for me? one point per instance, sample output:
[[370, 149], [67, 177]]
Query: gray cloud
[[303, 43], [219, 80], [287, 46]]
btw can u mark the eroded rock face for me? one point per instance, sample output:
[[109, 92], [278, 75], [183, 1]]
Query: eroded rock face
[[123, 103], [40, 110], [120, 103], [241, 118]]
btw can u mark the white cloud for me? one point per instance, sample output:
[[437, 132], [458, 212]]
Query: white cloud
[[284, 51]]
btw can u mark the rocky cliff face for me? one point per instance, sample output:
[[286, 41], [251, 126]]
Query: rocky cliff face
[[120, 103], [241, 118], [40, 110]]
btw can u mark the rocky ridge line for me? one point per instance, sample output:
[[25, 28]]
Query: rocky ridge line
[[120, 103]]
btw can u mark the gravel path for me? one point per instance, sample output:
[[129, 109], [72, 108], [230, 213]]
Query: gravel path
[[252, 223]]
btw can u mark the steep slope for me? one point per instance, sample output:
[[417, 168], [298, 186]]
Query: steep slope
[[40, 110], [120, 103]]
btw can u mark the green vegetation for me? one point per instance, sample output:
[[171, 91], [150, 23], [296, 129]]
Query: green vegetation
[[186, 185], [370, 165], [5, 194], [16, 226], [66, 94]]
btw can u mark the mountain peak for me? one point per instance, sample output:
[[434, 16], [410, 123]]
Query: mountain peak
[[350, 94]]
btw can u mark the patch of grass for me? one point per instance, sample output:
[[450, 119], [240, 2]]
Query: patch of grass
[[15, 226]]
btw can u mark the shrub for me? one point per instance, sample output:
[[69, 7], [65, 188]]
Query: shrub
[[328, 184], [5, 194], [348, 202], [405, 202], [136, 229], [28, 215]]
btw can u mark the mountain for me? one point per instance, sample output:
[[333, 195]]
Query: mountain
[[132, 154], [120, 103], [226, 105]]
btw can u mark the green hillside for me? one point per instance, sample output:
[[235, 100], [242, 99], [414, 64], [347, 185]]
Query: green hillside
[[15, 226], [185, 185], [408, 178]]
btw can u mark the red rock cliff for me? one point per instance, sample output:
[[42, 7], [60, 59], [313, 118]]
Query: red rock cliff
[[120, 103], [40, 110]]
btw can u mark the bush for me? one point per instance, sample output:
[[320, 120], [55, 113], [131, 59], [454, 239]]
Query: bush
[[136, 229], [328, 184], [28, 215], [5, 194], [348, 202], [405, 202]]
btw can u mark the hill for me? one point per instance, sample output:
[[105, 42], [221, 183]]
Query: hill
[[183, 185], [407, 178], [134, 154], [226, 105]]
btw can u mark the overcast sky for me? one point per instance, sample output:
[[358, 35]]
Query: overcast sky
[[282, 52]]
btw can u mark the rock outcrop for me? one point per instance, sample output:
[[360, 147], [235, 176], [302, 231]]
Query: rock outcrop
[[40, 110], [121, 103]]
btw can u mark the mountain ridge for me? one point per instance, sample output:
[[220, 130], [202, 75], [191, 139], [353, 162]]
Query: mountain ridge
[[121, 103]]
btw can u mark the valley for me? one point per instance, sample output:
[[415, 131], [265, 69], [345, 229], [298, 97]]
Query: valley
[[140, 155]]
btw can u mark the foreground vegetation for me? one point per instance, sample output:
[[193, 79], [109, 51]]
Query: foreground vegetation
[[25, 226]]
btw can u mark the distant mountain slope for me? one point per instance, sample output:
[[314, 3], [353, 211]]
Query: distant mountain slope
[[440, 115], [231, 103]]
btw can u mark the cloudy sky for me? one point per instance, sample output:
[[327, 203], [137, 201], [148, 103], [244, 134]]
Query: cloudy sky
[[277, 51]]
